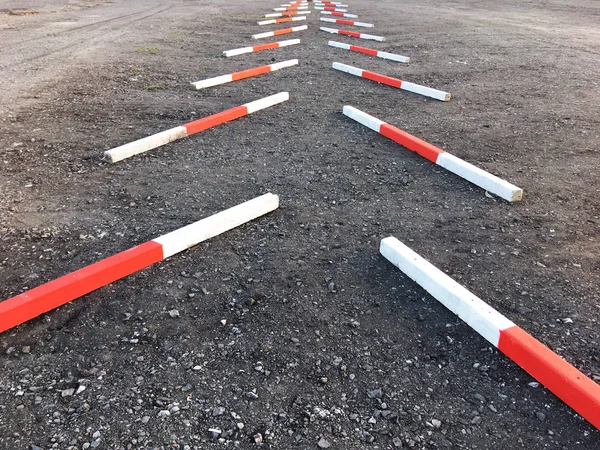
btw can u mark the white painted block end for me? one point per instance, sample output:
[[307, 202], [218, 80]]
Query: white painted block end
[[204, 229], [203, 84], [262, 35], [475, 312], [263, 103], [339, 45], [348, 69], [363, 118], [283, 64], [426, 91], [289, 42], [237, 51], [393, 57], [143, 145], [480, 177]]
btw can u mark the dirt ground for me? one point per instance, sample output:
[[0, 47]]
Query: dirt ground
[[325, 342]]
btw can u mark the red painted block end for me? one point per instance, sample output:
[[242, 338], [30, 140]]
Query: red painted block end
[[53, 294], [561, 378]]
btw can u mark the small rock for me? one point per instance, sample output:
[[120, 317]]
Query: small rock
[[375, 393], [323, 443], [163, 413], [397, 442], [218, 411], [67, 392], [35, 447], [258, 438], [80, 389], [214, 432], [174, 313], [436, 423], [368, 437], [565, 320], [476, 420], [27, 348], [540, 415], [533, 384], [96, 435], [479, 397], [96, 443], [224, 322], [145, 419], [252, 395]]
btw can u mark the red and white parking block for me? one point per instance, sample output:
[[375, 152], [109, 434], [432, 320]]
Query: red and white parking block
[[331, 4], [347, 22], [295, 4], [39, 300], [209, 82], [288, 13], [339, 14], [561, 378], [290, 8], [328, 8], [284, 20], [394, 82], [370, 51], [159, 139], [279, 32], [353, 34], [261, 47], [463, 169]]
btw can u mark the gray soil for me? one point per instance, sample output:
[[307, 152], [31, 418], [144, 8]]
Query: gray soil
[[325, 342]]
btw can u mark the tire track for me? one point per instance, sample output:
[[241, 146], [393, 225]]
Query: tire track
[[98, 26]]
